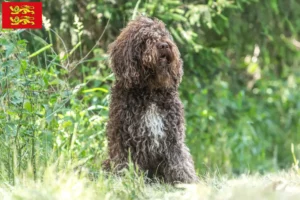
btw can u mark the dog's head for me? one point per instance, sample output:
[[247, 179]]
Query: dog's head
[[144, 54]]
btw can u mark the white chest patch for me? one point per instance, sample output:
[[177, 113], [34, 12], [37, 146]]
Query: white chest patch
[[154, 122]]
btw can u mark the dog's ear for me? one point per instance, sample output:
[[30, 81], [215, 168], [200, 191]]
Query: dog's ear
[[179, 72], [124, 57]]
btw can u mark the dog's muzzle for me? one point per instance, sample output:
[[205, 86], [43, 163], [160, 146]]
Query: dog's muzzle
[[164, 52]]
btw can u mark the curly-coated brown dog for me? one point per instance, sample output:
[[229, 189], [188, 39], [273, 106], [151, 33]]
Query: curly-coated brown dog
[[146, 118]]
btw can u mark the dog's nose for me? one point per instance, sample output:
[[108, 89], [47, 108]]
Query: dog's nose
[[162, 45]]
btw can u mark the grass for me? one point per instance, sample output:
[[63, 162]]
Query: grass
[[63, 183]]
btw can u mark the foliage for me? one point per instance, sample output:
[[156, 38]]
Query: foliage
[[240, 89], [41, 115]]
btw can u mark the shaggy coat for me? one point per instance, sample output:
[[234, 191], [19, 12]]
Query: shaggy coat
[[146, 117]]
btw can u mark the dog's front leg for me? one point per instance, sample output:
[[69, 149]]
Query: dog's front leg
[[179, 167]]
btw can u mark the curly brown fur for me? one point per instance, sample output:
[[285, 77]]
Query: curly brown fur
[[146, 117]]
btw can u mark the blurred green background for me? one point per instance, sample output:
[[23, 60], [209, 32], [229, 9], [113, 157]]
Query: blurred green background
[[240, 87]]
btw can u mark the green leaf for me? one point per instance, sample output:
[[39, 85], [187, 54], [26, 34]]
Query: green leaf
[[72, 51], [40, 51], [95, 89], [9, 49], [23, 67], [176, 35], [27, 105]]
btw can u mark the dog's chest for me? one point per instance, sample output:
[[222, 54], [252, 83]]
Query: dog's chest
[[153, 120]]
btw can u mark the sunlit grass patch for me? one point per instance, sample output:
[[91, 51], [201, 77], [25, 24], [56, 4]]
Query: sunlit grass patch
[[67, 184]]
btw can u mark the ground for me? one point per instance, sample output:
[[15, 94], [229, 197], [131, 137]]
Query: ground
[[69, 185]]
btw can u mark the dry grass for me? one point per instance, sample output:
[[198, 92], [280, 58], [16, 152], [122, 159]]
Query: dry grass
[[69, 185]]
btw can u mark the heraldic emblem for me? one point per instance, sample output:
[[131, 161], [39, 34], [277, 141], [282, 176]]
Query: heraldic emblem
[[16, 15]]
